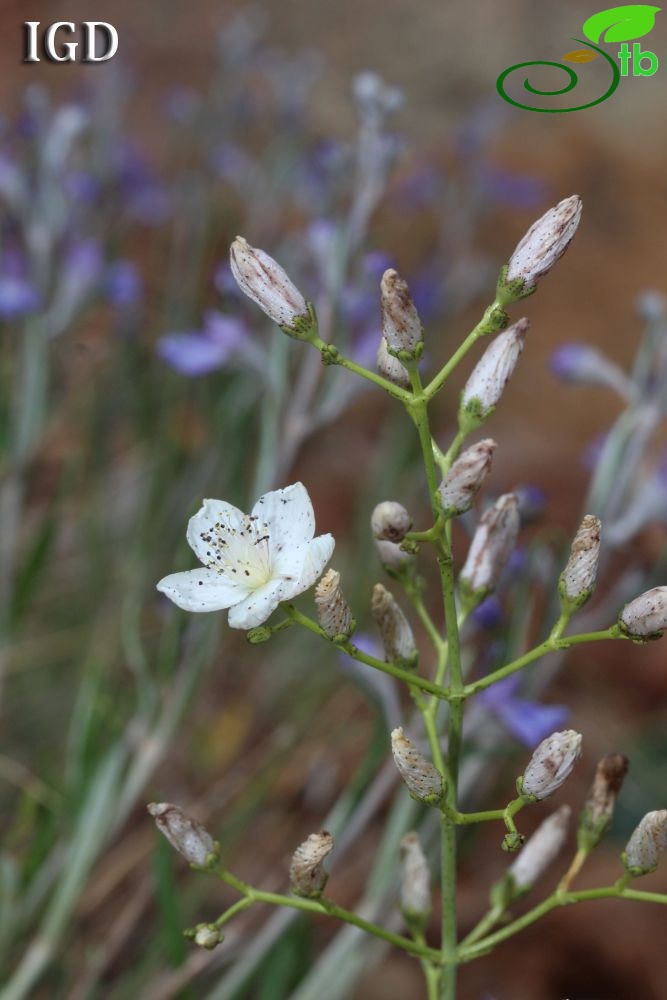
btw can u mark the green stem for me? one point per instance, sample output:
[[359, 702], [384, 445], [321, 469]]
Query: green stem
[[484, 326], [617, 891], [322, 906], [550, 645], [345, 646], [418, 409], [351, 366]]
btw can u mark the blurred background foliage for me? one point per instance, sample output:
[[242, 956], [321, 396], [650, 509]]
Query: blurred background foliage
[[135, 381]]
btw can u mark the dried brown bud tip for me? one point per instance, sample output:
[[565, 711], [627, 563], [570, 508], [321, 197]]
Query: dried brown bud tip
[[577, 581], [307, 874], [184, 834], [599, 809], [390, 521], [333, 611]]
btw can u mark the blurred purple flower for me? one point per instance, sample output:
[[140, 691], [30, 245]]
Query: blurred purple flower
[[199, 352], [509, 188], [528, 721], [81, 186], [488, 614], [531, 501], [18, 296], [123, 284], [146, 199]]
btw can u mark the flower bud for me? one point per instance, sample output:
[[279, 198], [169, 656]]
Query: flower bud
[[208, 936], [646, 616], [491, 374], [490, 548], [307, 874], [333, 611], [264, 281], [543, 245], [395, 632], [185, 835], [539, 852], [423, 780], [390, 521], [415, 881], [390, 367], [392, 557], [577, 581], [647, 844], [597, 813], [401, 326], [551, 764], [458, 489]]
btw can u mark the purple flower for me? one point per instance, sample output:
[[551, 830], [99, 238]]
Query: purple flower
[[566, 361], [488, 614], [509, 188], [81, 186], [123, 284], [18, 296], [528, 721], [199, 352]]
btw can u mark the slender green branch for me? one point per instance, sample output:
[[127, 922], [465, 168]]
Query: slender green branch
[[411, 679], [323, 906], [617, 891], [550, 645], [333, 356], [487, 324]]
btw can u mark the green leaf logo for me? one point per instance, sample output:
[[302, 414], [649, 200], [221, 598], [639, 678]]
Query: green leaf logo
[[621, 24]]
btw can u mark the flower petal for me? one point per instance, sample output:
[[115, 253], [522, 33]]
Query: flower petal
[[289, 516], [204, 521], [201, 590], [313, 557], [530, 721], [256, 607]]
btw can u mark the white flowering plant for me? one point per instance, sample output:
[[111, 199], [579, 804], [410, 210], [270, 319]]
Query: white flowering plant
[[256, 565]]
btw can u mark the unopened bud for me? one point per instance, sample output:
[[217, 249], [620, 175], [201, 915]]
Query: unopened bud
[[390, 521], [551, 764], [401, 325], [307, 874], [490, 548], [543, 245], [423, 780], [264, 281], [577, 581], [647, 844], [597, 814], [395, 631], [394, 559], [184, 834], [390, 367], [539, 852], [646, 616], [491, 374], [415, 881], [333, 611], [208, 936], [458, 489]]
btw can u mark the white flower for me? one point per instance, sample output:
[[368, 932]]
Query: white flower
[[252, 561]]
